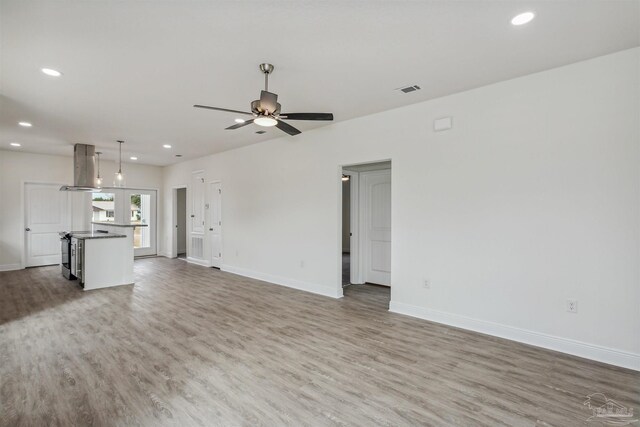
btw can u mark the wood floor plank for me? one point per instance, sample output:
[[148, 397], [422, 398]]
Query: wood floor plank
[[192, 346]]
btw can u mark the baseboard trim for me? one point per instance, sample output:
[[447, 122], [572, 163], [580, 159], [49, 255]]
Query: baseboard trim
[[564, 345], [283, 281], [201, 262], [10, 267]]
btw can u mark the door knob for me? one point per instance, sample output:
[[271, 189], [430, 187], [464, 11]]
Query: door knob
[[27, 229]]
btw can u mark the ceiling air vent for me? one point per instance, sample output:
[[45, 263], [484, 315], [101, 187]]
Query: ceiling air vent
[[260, 132], [408, 89]]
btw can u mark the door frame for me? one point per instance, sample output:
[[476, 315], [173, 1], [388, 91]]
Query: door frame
[[355, 274], [174, 220], [356, 221], [207, 226], [23, 214]]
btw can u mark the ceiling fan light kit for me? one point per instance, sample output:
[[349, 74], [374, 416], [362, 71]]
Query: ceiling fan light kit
[[265, 121], [266, 110]]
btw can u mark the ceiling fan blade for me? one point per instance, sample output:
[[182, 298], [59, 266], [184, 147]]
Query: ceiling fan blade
[[307, 116], [239, 125], [287, 128], [268, 101], [222, 109]]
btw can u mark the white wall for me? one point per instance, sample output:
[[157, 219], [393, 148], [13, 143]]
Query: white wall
[[532, 198], [17, 167]]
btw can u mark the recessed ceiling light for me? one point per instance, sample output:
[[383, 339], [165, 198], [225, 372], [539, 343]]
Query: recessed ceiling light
[[15, 144], [133, 158], [25, 124], [523, 18], [167, 146], [51, 72], [239, 120]]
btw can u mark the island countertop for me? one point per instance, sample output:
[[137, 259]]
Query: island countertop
[[84, 235], [115, 224]]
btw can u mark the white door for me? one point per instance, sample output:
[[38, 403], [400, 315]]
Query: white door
[[215, 223], [46, 214], [140, 209], [375, 193], [195, 251]]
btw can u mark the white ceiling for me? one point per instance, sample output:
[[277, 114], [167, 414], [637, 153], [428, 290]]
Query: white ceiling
[[133, 69]]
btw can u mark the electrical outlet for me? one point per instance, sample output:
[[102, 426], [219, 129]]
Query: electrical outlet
[[572, 305], [426, 284]]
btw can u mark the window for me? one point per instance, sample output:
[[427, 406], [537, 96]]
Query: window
[[103, 205]]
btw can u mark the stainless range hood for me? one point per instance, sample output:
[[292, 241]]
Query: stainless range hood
[[84, 166]]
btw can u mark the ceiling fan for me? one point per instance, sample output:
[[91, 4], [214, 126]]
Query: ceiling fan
[[266, 110]]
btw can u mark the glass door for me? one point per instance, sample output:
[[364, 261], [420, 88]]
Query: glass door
[[140, 211], [103, 206]]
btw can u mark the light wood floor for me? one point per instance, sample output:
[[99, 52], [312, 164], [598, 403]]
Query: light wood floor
[[194, 346]]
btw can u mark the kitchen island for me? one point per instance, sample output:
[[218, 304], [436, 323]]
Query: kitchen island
[[102, 259]]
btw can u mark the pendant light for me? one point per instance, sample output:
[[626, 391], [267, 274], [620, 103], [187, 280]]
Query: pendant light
[[118, 180], [98, 178]]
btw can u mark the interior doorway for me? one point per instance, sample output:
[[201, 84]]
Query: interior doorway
[[346, 228], [179, 218], [366, 224], [181, 223]]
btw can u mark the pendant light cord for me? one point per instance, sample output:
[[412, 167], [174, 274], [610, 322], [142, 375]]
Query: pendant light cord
[[120, 156]]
